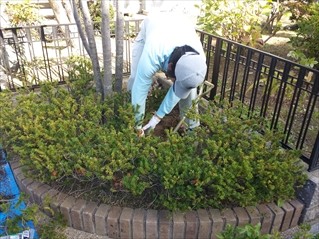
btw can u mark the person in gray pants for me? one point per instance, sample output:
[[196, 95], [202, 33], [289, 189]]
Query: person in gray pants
[[167, 43]]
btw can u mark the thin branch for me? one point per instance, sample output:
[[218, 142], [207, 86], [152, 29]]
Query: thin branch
[[80, 30], [92, 45]]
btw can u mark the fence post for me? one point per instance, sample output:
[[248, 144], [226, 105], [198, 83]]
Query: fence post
[[215, 73], [314, 158]]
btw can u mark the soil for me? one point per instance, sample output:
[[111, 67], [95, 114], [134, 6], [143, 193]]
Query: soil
[[170, 121]]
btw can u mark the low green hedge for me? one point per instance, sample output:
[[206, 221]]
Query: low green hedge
[[65, 132]]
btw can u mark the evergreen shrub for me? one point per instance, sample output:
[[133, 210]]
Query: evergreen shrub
[[58, 134]]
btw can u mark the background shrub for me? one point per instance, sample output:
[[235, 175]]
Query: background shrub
[[307, 39]]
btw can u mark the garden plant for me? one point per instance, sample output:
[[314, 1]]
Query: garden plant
[[67, 136]]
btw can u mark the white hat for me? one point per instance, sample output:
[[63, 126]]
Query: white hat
[[190, 72]]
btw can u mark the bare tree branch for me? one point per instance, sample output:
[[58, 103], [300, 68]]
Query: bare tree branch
[[80, 30]]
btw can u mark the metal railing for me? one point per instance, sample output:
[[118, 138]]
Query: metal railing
[[31, 55], [284, 92], [280, 90]]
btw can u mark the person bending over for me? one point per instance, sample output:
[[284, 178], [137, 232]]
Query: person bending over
[[168, 43]]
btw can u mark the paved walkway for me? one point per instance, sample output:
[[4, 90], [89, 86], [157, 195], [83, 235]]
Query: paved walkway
[[76, 234]]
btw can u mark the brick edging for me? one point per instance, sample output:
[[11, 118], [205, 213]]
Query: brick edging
[[123, 222]]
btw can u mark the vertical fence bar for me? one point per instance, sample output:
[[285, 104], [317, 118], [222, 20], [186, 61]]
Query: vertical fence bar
[[223, 86], [314, 157], [306, 120], [209, 49], [254, 92], [245, 76], [45, 53], [235, 73], [218, 49], [280, 95], [294, 104], [268, 87]]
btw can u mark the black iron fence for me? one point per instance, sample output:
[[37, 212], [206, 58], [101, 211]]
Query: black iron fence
[[31, 55], [284, 92], [280, 90]]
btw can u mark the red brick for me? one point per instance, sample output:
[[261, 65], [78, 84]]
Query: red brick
[[46, 199], [15, 164], [242, 216], [76, 214], [112, 222], [192, 224], [126, 223], [31, 188], [229, 216], [138, 225], [178, 225], [17, 170], [279, 215], [57, 201], [24, 184], [38, 193], [254, 215], [19, 178], [100, 219], [218, 222], [205, 224], [65, 209], [267, 218], [298, 206], [88, 217], [289, 212], [165, 224], [151, 224]]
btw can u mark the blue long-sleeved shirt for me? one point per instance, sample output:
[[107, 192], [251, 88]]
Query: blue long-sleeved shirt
[[162, 33]]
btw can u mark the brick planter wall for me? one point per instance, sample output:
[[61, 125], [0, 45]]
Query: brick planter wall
[[122, 222]]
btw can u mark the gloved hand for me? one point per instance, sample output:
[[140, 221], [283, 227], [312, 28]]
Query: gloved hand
[[140, 132], [152, 123]]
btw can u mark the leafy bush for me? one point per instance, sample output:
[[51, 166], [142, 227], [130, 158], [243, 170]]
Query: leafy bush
[[58, 134], [247, 232], [22, 14], [254, 232], [235, 20], [15, 220], [96, 14], [225, 162], [307, 38]]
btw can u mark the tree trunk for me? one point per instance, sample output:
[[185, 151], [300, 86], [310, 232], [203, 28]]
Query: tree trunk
[[79, 26], [106, 44], [87, 37], [68, 9], [61, 17], [119, 32]]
